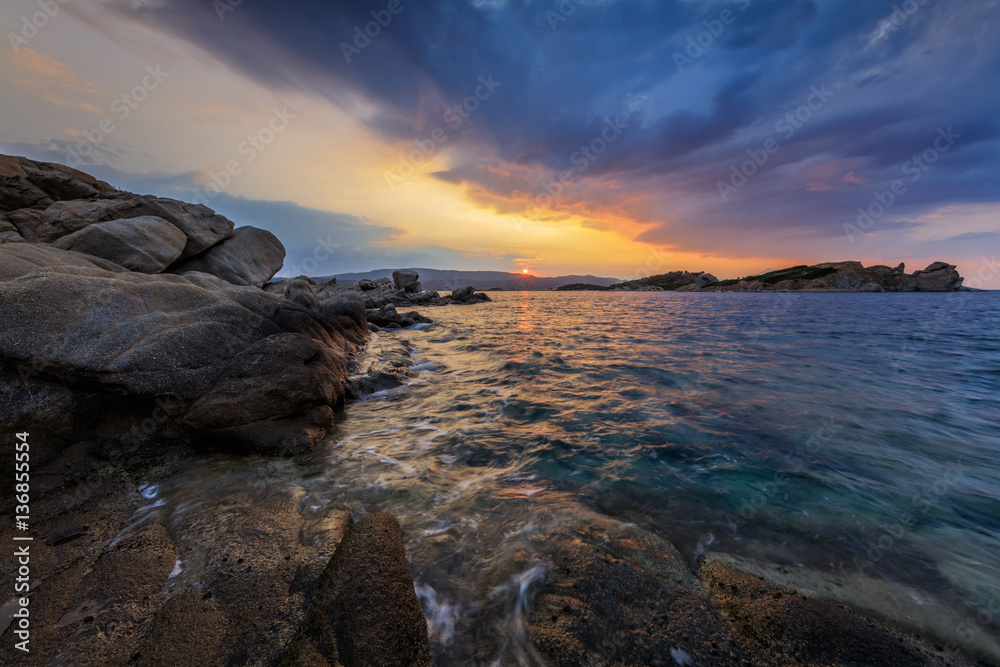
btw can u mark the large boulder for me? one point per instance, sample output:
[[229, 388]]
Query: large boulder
[[202, 226], [366, 611], [345, 304], [25, 183], [147, 244], [232, 367], [462, 294], [250, 256], [406, 280], [20, 259], [301, 290], [938, 277]]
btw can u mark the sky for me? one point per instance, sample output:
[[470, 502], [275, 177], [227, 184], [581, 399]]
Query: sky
[[611, 137]]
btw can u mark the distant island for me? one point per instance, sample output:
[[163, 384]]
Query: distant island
[[440, 279], [826, 277]]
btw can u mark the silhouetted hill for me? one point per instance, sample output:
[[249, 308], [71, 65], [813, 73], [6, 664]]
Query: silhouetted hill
[[443, 279]]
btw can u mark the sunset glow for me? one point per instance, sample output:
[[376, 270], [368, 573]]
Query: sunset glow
[[407, 159]]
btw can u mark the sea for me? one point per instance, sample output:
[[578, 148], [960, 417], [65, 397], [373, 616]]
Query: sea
[[847, 444]]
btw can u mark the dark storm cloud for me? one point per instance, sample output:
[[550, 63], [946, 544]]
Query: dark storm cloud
[[696, 84]]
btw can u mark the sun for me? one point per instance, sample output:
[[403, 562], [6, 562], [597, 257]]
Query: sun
[[524, 271]]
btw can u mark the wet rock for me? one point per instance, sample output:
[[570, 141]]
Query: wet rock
[[425, 297], [383, 364], [250, 256], [467, 295], [778, 626], [365, 612], [406, 280], [188, 630], [462, 294], [624, 605], [147, 244]]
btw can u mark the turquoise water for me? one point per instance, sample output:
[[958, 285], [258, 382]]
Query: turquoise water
[[855, 437]]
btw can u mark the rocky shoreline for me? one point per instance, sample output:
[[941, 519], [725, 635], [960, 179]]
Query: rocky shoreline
[[175, 394], [825, 277]]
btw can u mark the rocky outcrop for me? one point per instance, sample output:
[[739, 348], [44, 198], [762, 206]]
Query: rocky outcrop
[[847, 277], [674, 280], [147, 244], [96, 342], [365, 611], [385, 363], [826, 277], [938, 277], [250, 256], [26, 183], [202, 227], [406, 280], [388, 318], [614, 594], [372, 302], [237, 367]]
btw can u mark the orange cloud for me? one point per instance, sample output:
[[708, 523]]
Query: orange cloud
[[52, 80]]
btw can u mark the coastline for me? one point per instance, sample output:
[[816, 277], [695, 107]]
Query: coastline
[[158, 548]]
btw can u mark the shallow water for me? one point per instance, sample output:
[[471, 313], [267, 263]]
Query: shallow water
[[844, 433], [850, 439]]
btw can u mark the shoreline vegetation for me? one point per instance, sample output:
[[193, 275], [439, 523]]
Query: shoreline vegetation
[[143, 341]]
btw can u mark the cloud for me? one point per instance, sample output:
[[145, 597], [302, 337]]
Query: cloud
[[974, 236], [49, 79], [891, 82]]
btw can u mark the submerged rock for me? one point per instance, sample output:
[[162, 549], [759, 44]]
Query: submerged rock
[[779, 626], [384, 364], [617, 596]]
